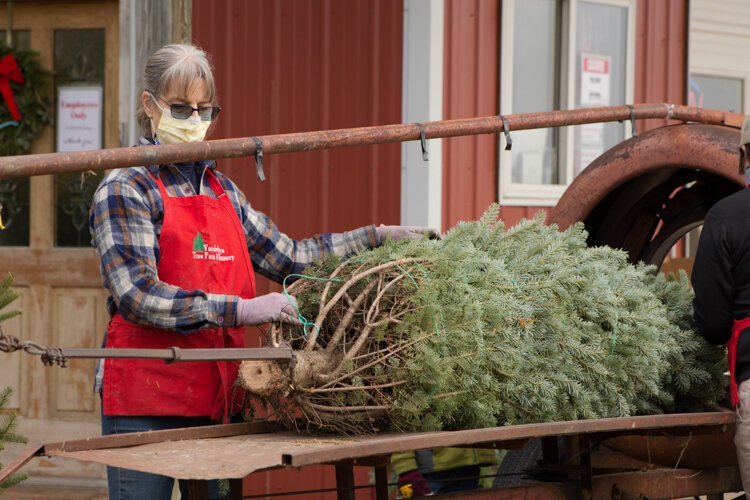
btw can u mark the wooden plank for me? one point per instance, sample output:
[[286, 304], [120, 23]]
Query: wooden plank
[[55, 267], [76, 323]]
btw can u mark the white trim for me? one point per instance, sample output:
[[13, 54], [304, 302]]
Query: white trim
[[422, 101], [547, 195]]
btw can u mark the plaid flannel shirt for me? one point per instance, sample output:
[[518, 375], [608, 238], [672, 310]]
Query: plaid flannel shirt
[[125, 224]]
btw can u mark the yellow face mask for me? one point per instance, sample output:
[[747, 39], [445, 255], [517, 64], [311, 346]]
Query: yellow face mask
[[174, 131]]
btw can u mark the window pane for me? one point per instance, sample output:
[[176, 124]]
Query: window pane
[[601, 74], [716, 92], [21, 39], [536, 70], [14, 193], [14, 210], [73, 194], [79, 60]]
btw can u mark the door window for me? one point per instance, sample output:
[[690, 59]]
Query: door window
[[78, 61], [14, 193]]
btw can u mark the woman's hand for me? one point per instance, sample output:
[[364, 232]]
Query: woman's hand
[[410, 232], [270, 308]]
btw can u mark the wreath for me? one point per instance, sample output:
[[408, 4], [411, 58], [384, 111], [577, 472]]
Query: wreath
[[32, 100]]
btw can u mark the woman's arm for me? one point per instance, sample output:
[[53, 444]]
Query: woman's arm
[[276, 255]]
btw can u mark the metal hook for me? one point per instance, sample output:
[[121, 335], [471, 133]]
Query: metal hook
[[259, 158], [506, 131], [633, 129], [423, 141]]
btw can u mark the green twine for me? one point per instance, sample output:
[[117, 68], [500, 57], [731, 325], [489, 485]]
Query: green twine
[[305, 322]]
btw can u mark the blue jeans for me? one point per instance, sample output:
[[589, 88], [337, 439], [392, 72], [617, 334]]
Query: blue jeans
[[452, 480], [126, 484]]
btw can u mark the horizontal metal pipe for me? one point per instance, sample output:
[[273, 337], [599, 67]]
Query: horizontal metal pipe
[[177, 354], [82, 161]]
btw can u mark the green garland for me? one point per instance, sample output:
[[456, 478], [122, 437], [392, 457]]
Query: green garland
[[32, 98]]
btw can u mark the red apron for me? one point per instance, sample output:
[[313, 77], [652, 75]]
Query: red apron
[[202, 245], [737, 327]]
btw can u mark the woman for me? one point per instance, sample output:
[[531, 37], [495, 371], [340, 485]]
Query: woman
[[178, 246]]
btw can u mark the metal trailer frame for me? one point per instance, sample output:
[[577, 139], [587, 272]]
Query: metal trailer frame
[[578, 469]]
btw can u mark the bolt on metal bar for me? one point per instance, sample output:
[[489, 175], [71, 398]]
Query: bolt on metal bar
[[82, 161]]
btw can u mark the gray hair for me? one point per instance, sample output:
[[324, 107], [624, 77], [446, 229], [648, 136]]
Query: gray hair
[[175, 66]]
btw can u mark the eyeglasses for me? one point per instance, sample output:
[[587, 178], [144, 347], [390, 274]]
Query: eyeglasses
[[185, 111]]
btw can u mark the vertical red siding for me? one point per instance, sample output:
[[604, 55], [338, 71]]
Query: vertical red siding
[[661, 54], [286, 66], [291, 66], [470, 89]]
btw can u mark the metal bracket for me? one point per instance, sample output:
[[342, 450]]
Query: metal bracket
[[423, 142], [633, 129], [259, 158], [506, 131]]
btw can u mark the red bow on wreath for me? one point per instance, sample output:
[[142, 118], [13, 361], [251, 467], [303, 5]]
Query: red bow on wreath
[[10, 72]]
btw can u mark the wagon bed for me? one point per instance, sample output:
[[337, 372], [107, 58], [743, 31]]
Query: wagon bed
[[574, 465]]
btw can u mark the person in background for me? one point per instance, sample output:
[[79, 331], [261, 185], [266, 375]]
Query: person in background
[[179, 245], [721, 307], [441, 470]]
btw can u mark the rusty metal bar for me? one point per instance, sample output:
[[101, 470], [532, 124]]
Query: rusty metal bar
[[381, 482], [345, 481], [175, 354], [82, 161], [416, 441], [27, 454]]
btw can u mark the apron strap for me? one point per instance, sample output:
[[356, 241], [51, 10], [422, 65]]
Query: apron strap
[[737, 329]]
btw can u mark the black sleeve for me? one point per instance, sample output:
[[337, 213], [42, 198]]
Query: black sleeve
[[713, 282]]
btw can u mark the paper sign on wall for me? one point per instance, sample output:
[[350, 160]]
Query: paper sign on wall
[[79, 118], [596, 71]]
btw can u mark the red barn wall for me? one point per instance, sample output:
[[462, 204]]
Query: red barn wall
[[661, 48], [298, 66], [286, 67], [470, 88]]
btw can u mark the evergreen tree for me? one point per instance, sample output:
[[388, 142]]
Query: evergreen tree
[[8, 420], [490, 327]]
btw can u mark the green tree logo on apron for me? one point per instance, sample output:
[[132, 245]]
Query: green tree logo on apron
[[198, 245]]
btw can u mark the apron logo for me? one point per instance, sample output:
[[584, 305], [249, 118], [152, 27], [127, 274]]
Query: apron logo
[[204, 251], [198, 245]]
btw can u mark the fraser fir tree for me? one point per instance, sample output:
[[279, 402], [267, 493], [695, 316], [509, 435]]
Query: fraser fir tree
[[487, 327], [8, 420]]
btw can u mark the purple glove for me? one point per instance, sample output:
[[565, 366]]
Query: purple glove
[[413, 484], [401, 232], [268, 308]]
